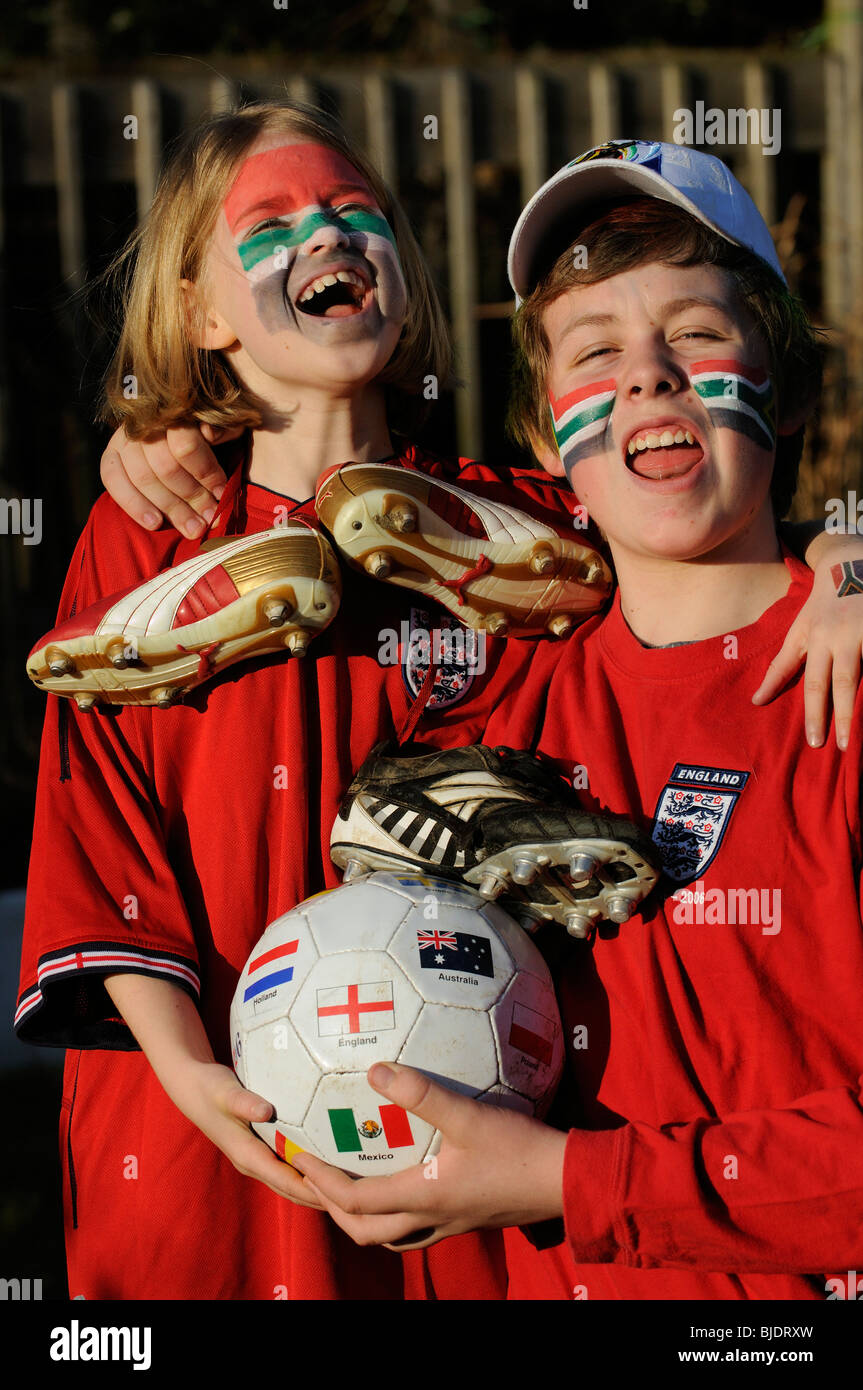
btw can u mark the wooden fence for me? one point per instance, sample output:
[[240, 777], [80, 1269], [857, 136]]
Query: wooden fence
[[463, 150]]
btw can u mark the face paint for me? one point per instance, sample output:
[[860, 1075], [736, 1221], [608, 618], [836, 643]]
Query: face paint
[[581, 421], [737, 397], [278, 202]]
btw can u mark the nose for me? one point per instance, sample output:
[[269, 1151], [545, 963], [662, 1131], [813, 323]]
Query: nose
[[652, 371], [325, 233]]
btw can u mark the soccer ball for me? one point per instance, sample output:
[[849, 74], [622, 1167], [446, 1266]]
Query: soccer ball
[[390, 967]]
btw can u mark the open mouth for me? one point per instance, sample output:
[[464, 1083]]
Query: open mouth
[[335, 295], [664, 452]]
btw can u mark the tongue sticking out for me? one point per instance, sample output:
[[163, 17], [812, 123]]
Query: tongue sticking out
[[668, 462]]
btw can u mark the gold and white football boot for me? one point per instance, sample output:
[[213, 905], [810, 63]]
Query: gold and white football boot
[[495, 567], [240, 596]]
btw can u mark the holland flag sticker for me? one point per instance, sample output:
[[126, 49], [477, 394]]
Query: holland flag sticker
[[278, 972]]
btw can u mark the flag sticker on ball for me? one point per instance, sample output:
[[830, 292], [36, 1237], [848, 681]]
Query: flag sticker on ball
[[347, 1129], [276, 957], [455, 950], [285, 1148], [356, 1008], [532, 1033]]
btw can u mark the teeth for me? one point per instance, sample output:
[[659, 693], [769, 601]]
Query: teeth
[[345, 277], [640, 442]]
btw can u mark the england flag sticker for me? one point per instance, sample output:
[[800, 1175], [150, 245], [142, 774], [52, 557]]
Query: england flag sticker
[[692, 816]]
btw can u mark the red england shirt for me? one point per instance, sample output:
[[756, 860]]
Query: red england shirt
[[714, 1053], [165, 841]]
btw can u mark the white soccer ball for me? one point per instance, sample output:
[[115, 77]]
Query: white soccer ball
[[396, 968]]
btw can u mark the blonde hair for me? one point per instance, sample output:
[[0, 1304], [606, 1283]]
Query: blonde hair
[[175, 382]]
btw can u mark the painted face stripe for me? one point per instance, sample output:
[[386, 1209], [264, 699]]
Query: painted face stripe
[[279, 182], [728, 366], [560, 406], [580, 419], [736, 401], [576, 424], [271, 240]]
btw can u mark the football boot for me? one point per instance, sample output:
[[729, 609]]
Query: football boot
[[239, 596], [496, 568], [502, 821]]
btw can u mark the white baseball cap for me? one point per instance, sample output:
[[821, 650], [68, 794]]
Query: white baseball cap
[[699, 183]]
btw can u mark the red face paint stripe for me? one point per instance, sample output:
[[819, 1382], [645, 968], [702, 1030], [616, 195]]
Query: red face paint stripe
[[596, 388], [729, 364], [279, 182]]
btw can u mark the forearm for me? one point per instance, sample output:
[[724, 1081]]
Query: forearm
[[165, 1022], [812, 541], [766, 1191]]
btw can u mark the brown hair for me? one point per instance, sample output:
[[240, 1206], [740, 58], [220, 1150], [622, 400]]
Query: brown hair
[[630, 234], [174, 382]]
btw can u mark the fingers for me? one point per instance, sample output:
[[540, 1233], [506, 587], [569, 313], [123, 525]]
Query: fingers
[[785, 664], [846, 678], [247, 1106], [254, 1159], [398, 1230], [816, 686], [177, 474], [125, 494]]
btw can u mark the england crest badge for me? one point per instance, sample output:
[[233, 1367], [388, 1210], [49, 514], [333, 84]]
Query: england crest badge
[[457, 651], [692, 816]]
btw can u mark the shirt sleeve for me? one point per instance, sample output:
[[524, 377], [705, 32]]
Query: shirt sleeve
[[101, 895], [764, 1191]]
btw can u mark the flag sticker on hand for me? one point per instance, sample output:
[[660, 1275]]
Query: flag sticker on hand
[[356, 1008], [532, 1033], [347, 1130], [455, 950], [276, 957]]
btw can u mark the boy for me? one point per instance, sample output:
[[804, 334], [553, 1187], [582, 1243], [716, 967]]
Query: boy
[[714, 1147]]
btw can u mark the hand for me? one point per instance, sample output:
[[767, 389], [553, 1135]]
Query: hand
[[211, 1097], [828, 631], [496, 1167], [174, 475]]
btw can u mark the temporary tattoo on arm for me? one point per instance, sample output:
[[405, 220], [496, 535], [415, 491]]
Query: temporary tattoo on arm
[[848, 577]]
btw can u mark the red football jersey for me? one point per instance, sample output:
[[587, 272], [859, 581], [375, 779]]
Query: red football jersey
[[713, 1041], [165, 841]]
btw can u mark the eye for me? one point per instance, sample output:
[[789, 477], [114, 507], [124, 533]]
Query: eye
[[699, 333], [594, 352], [271, 222]]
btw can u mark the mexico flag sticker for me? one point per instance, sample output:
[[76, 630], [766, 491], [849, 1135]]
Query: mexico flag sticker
[[350, 1128]]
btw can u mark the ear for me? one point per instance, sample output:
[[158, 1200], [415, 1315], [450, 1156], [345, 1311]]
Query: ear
[[206, 328], [794, 420], [548, 457]]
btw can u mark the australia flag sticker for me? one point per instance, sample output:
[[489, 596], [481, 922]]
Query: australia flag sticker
[[692, 816]]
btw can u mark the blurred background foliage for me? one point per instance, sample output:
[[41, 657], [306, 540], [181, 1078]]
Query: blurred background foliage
[[105, 32]]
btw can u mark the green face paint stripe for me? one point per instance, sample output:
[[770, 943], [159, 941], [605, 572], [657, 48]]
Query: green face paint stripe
[[267, 242], [745, 399], [578, 423]]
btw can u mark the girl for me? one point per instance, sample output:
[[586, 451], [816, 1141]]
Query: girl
[[175, 835]]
